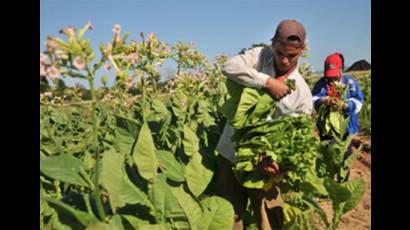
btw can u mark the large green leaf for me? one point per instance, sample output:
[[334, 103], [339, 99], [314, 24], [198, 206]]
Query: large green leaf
[[132, 222], [167, 205], [100, 226], [66, 168], [190, 141], [125, 134], [313, 184], [190, 206], [218, 214], [356, 189], [144, 154], [249, 98], [311, 203], [112, 177], [131, 194], [70, 216], [116, 223], [153, 227], [337, 193], [159, 110], [198, 176], [170, 166], [228, 109]]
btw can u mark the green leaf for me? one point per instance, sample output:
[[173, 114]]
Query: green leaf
[[125, 134], [217, 214], [290, 214], [159, 109], [144, 154], [99, 226], [66, 168], [337, 193], [132, 222], [190, 141], [254, 180], [153, 227], [70, 216], [112, 177], [167, 206], [189, 205], [311, 203], [313, 184], [230, 106], [249, 98], [170, 166], [116, 223], [356, 189], [131, 194], [198, 176]]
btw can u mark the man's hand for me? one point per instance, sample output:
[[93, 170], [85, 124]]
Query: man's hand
[[327, 100], [268, 166], [277, 89], [343, 105]]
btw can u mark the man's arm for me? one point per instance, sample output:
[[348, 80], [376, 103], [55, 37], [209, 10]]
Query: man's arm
[[318, 96], [355, 101], [242, 70]]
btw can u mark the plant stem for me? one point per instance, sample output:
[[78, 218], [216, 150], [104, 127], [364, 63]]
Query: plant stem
[[97, 194]]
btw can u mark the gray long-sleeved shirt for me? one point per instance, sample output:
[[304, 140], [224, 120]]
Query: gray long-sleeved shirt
[[252, 69]]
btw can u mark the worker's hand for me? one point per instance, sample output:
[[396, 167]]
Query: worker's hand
[[267, 165], [277, 89], [343, 106], [327, 100]]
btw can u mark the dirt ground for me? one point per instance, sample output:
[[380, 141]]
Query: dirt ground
[[360, 217]]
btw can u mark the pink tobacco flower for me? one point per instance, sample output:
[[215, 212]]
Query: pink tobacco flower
[[42, 70], [79, 63], [53, 73], [43, 58], [133, 57]]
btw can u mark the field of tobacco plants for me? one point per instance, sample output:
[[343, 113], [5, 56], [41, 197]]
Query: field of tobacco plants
[[141, 154]]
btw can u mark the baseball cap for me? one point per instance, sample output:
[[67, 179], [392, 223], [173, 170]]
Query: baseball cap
[[288, 28], [333, 65]]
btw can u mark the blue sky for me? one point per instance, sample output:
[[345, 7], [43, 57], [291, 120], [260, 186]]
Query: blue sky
[[220, 26]]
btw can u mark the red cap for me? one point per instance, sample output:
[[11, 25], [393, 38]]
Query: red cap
[[333, 65]]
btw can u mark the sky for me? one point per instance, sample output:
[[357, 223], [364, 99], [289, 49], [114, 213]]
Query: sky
[[219, 26]]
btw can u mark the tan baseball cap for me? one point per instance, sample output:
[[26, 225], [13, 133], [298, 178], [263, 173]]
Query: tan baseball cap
[[290, 28]]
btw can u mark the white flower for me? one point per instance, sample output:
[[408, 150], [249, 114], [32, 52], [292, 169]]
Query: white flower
[[116, 28], [90, 25], [79, 63]]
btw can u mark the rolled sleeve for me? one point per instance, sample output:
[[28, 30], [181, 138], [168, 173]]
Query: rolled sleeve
[[242, 69]]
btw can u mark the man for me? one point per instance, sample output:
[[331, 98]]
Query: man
[[325, 91], [325, 88], [267, 68]]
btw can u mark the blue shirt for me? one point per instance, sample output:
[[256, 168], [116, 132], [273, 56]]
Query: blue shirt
[[354, 96]]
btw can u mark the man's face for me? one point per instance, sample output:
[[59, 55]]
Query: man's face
[[285, 56]]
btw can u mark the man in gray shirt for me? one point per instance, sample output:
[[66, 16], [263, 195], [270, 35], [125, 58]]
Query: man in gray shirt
[[264, 68]]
